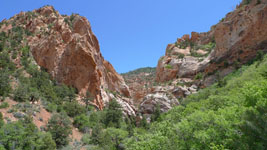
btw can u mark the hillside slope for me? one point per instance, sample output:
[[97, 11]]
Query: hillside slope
[[66, 47], [198, 60], [227, 115]]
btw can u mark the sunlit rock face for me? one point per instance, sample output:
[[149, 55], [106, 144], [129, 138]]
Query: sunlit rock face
[[67, 48], [201, 59], [238, 38]]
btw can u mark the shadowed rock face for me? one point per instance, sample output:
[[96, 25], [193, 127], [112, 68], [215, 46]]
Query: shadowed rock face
[[68, 49]]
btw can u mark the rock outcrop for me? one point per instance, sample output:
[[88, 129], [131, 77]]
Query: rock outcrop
[[161, 97], [200, 59], [236, 39], [67, 48], [140, 82]]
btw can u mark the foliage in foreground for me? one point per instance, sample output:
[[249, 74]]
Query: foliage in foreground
[[219, 117]]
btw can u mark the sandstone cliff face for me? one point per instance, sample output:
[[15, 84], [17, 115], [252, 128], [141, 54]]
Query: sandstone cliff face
[[67, 48], [200, 59], [238, 37], [140, 82], [241, 34]]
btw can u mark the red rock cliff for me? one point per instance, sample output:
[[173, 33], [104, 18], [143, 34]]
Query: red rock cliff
[[238, 38], [68, 49]]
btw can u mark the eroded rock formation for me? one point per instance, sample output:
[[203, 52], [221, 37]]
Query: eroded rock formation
[[67, 48], [200, 59], [238, 38]]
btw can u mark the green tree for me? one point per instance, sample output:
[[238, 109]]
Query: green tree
[[82, 122], [96, 136], [1, 120], [144, 123], [156, 115], [113, 116], [87, 99], [73, 108], [113, 138], [60, 128], [45, 142], [21, 94], [255, 119], [5, 87], [24, 135]]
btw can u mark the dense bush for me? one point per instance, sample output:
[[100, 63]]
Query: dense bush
[[113, 116], [4, 105], [231, 116], [73, 108], [24, 135], [82, 122], [1, 120], [5, 87], [60, 128]]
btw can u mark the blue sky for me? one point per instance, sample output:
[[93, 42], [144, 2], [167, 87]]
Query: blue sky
[[134, 33]]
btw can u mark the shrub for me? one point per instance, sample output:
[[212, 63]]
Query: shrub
[[4, 105], [88, 98], [60, 128], [81, 122], [195, 54], [97, 135], [144, 123], [24, 135], [181, 56], [51, 107], [1, 46], [168, 66], [5, 87], [246, 2], [1, 120], [113, 138], [73, 108], [6, 63], [18, 115], [113, 115], [199, 76], [21, 94], [156, 114]]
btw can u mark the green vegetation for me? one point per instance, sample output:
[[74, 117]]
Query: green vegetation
[[199, 76], [24, 134], [194, 47], [87, 99], [207, 47], [31, 84], [246, 2], [168, 66], [140, 70], [4, 105], [69, 20], [113, 116], [180, 56], [231, 116], [60, 128], [73, 108], [184, 44], [5, 87]]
